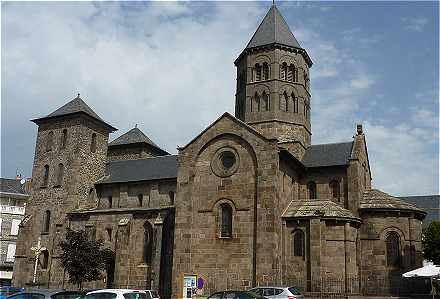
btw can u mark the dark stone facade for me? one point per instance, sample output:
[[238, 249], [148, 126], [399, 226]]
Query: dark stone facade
[[249, 201]]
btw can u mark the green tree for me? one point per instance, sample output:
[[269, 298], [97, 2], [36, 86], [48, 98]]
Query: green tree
[[431, 242], [83, 258]]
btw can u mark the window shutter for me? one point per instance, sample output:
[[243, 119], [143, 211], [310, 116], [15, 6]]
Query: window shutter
[[14, 227], [11, 253]]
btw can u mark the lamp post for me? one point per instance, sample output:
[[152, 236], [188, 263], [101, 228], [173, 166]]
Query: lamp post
[[37, 250]]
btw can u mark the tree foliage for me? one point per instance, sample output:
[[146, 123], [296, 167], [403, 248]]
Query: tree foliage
[[83, 258], [431, 242]]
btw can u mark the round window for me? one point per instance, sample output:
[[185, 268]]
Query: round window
[[228, 159], [225, 162]]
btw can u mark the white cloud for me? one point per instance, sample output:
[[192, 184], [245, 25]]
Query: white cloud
[[415, 23]]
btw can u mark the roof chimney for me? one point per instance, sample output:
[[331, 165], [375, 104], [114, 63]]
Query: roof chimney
[[359, 129]]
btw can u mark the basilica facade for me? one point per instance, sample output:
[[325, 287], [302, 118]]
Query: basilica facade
[[249, 201]]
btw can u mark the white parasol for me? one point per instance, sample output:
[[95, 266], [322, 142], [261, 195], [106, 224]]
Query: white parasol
[[428, 270]]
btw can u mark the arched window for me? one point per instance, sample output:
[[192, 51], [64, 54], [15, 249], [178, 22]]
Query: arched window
[[171, 194], [93, 143], [257, 102], [334, 188], [258, 72], [393, 249], [298, 243], [140, 200], [43, 259], [295, 103], [291, 73], [49, 141], [283, 71], [226, 221], [46, 221], [60, 174], [46, 176], [64, 139], [265, 101], [148, 243], [311, 188], [265, 71], [285, 102]]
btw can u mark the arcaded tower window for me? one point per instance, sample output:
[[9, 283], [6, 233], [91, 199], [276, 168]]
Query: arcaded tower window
[[64, 139], [226, 221], [140, 200], [285, 102], [46, 221], [298, 243], [311, 188], [49, 142], [265, 71], [393, 249], [295, 103], [265, 101], [60, 174], [283, 71], [258, 72], [45, 176], [93, 143]]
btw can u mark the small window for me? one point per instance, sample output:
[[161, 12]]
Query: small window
[[93, 143], [171, 194], [109, 234], [60, 174], [45, 176], [311, 188], [286, 101], [91, 194], [298, 243], [10, 254], [334, 188], [49, 141], [14, 227], [64, 139], [44, 259], [140, 200], [110, 202], [226, 221], [46, 221]]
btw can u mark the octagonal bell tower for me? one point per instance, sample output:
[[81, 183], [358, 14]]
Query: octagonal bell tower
[[273, 85]]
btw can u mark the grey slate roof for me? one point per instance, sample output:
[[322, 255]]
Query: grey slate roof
[[157, 168], [429, 203], [330, 154], [11, 186], [317, 208], [273, 29], [133, 136], [376, 199], [77, 105]]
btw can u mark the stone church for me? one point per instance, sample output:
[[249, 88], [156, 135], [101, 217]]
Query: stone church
[[249, 201]]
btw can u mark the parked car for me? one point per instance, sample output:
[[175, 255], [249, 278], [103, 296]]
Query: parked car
[[47, 294], [235, 295], [278, 292], [7, 291], [151, 294], [116, 294]]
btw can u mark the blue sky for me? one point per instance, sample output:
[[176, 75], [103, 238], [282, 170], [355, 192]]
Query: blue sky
[[168, 67]]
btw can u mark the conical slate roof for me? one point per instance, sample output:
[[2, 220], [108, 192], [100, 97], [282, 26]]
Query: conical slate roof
[[77, 105], [133, 136], [376, 199], [273, 30]]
